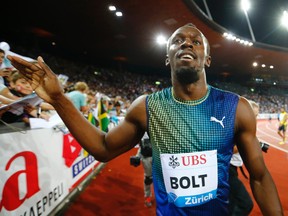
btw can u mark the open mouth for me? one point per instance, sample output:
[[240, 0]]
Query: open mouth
[[186, 57]]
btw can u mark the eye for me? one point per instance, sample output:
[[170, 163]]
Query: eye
[[197, 42], [178, 41]]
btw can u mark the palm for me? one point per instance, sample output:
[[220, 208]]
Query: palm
[[44, 86], [43, 81]]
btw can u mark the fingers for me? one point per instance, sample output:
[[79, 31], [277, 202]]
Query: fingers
[[20, 63], [36, 73], [28, 108], [31, 71], [45, 67], [25, 68], [28, 68]]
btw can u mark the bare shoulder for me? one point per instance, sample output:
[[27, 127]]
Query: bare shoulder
[[243, 103], [245, 116], [137, 112]]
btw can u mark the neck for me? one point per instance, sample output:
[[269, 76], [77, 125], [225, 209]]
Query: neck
[[193, 91]]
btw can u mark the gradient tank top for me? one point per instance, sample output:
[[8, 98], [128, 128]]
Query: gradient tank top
[[192, 145]]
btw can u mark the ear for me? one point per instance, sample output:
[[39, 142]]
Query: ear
[[208, 61], [167, 62]]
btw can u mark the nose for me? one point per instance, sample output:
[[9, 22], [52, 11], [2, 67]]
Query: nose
[[187, 43]]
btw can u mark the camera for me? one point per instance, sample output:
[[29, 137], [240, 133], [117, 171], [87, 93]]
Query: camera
[[264, 147], [135, 161]]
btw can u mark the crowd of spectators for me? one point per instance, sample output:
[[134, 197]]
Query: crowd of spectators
[[129, 85], [270, 101]]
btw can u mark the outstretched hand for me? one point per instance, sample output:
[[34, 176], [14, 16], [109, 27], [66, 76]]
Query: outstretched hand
[[42, 79]]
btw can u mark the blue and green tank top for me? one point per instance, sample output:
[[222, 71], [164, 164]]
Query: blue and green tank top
[[178, 127]]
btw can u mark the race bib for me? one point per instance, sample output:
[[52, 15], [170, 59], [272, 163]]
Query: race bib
[[191, 179]]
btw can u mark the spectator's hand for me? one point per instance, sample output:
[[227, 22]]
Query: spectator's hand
[[28, 108], [44, 116], [42, 79]]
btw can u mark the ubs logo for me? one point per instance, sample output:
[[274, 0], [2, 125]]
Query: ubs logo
[[173, 162]]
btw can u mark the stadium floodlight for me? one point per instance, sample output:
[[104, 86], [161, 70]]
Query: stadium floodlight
[[245, 4], [119, 14], [112, 8], [161, 40], [284, 19]]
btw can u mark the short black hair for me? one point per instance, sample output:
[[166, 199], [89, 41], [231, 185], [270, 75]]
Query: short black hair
[[194, 26]]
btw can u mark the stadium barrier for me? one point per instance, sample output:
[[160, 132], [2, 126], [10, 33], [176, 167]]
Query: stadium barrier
[[39, 170]]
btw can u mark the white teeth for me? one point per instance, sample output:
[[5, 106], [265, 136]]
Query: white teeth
[[187, 56]]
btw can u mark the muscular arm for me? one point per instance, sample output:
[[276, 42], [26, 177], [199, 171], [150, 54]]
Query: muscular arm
[[261, 182], [103, 146]]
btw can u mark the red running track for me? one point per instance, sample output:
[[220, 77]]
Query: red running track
[[276, 161], [118, 189]]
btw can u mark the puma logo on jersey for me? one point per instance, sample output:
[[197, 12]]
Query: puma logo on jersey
[[218, 121]]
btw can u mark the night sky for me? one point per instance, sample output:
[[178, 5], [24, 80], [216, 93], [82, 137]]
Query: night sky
[[264, 16]]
